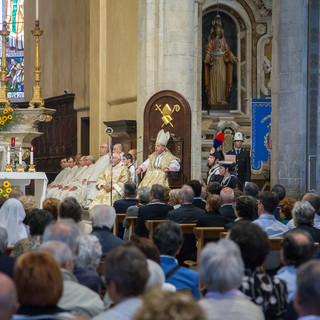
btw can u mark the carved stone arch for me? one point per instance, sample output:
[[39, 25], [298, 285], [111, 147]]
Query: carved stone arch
[[179, 127]]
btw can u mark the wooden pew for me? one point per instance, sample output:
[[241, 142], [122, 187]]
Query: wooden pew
[[275, 245], [119, 219], [131, 222], [151, 226], [206, 233]]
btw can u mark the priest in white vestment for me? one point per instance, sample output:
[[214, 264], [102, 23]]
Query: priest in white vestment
[[120, 175], [102, 163]]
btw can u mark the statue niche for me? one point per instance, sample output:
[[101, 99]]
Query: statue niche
[[218, 67]]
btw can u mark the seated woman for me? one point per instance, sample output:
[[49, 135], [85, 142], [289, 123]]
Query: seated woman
[[38, 219], [213, 218], [227, 169], [269, 293], [12, 215], [286, 206], [39, 286]]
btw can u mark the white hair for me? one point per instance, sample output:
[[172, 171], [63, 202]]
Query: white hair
[[221, 267], [58, 250], [90, 252], [156, 275], [103, 216], [303, 212]]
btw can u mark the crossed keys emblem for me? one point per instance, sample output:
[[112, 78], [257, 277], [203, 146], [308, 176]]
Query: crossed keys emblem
[[166, 113]]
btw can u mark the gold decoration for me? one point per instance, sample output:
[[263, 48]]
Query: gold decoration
[[8, 168], [32, 168], [3, 73], [37, 94], [20, 168], [166, 113]]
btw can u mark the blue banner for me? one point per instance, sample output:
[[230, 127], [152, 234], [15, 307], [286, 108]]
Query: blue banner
[[261, 133]]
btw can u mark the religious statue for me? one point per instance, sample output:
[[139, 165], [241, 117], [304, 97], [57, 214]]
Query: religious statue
[[218, 61]]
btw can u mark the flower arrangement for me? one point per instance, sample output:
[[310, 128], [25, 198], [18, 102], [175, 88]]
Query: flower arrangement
[[8, 116], [5, 189]]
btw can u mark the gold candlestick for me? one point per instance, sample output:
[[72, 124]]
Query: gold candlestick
[[20, 168], [3, 73], [37, 94], [32, 168], [8, 168]]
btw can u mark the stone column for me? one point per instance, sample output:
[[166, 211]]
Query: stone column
[[169, 57], [289, 95]]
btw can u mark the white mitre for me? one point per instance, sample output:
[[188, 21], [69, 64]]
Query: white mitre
[[163, 137]]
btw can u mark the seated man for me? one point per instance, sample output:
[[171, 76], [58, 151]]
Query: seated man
[[159, 163], [187, 213], [76, 297], [103, 217], [126, 275], [120, 175], [296, 248], [197, 188], [227, 196], [168, 238], [129, 198], [303, 216], [221, 269], [268, 202], [156, 209], [308, 295], [6, 263]]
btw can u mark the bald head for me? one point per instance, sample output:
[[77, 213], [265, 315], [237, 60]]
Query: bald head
[[227, 195], [117, 148], [186, 194], [314, 200], [8, 297]]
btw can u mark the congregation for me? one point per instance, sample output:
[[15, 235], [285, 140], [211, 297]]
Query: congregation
[[106, 250]]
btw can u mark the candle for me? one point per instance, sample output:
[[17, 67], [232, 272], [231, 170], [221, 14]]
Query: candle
[[13, 142], [20, 156], [8, 155], [31, 156], [37, 10]]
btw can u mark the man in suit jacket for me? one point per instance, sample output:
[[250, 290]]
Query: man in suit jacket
[[168, 238], [197, 188], [155, 210], [129, 198], [6, 263], [227, 196], [187, 213], [243, 167]]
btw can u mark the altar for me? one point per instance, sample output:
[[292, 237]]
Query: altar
[[22, 179]]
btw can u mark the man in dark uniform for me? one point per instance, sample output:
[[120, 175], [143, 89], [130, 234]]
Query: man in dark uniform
[[243, 167]]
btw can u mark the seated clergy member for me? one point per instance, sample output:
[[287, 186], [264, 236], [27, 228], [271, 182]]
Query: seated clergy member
[[120, 175], [187, 213], [159, 163], [127, 160], [126, 275], [221, 269], [156, 209], [75, 297], [168, 238], [101, 164], [103, 217]]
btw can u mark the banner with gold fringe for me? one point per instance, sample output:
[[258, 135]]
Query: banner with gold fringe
[[261, 133]]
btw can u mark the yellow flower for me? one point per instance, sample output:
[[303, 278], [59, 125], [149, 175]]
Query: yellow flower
[[9, 116], [6, 184], [6, 196], [5, 111], [1, 190], [2, 122], [4, 118], [8, 190], [10, 110]]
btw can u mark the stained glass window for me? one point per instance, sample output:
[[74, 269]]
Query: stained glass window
[[13, 13]]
